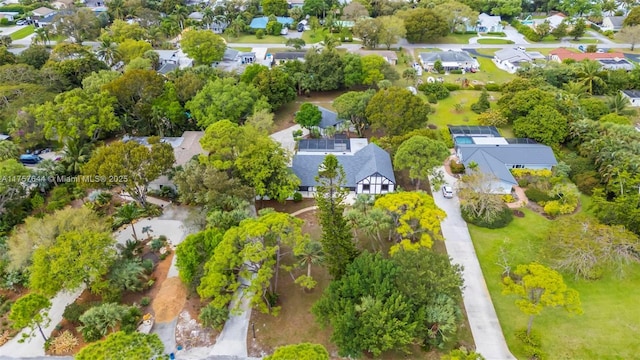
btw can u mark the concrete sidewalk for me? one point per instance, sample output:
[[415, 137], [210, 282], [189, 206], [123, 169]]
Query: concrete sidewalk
[[481, 314]]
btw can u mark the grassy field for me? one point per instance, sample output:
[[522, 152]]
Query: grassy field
[[23, 33], [446, 113], [494, 41], [244, 49], [606, 330], [252, 39]]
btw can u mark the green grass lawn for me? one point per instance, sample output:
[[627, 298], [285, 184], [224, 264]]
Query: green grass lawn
[[494, 41], [446, 113], [489, 72], [23, 33], [607, 329], [252, 39], [455, 39], [243, 49]]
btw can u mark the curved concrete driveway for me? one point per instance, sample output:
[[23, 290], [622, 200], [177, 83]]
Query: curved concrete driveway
[[483, 320]]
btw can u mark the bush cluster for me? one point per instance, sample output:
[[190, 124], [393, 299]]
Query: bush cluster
[[501, 220], [528, 32], [456, 167], [536, 195], [439, 90]]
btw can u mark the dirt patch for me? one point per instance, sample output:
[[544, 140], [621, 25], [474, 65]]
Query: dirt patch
[[190, 333], [287, 207], [170, 300]]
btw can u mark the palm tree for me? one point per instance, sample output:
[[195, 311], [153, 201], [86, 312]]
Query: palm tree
[[75, 154], [330, 42], [311, 254], [618, 103], [108, 52], [50, 169], [116, 9], [127, 214], [576, 88], [181, 14], [208, 17], [589, 72], [170, 26]]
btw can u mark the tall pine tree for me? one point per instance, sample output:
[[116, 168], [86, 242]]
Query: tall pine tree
[[337, 238]]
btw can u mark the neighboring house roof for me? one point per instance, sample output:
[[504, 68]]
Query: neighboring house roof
[[289, 55], [446, 56], [368, 161], [632, 93], [489, 20], [196, 15], [168, 67], [59, 4], [616, 21], [329, 118], [184, 147], [261, 22], [554, 20], [9, 13], [494, 158], [564, 54], [387, 54], [345, 23], [230, 54], [517, 56], [42, 11], [4, 137]]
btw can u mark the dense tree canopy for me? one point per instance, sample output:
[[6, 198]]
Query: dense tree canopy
[[411, 297], [420, 155], [228, 99], [129, 165], [396, 111], [424, 25], [203, 46]]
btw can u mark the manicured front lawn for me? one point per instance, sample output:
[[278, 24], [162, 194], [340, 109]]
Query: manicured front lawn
[[606, 330], [494, 41], [253, 39], [455, 39], [23, 33]]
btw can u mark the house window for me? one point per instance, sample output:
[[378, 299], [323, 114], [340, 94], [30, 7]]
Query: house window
[[517, 166], [385, 187], [366, 187]]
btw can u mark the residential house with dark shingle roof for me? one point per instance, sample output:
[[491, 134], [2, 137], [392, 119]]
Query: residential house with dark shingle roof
[[367, 167], [613, 23], [496, 156], [451, 60]]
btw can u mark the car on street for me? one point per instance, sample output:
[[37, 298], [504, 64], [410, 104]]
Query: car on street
[[30, 159], [21, 22], [447, 191]]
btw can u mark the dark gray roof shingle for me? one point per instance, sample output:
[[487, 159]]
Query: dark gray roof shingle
[[367, 161], [329, 118]]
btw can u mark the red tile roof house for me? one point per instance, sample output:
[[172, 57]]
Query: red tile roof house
[[608, 60]]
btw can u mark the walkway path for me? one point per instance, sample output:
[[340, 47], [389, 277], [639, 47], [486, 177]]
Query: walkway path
[[302, 211], [481, 314]]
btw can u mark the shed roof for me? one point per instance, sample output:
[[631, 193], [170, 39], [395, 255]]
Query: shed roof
[[329, 118], [42, 11], [616, 21], [289, 55], [368, 161]]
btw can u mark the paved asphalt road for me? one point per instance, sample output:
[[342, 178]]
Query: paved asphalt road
[[481, 314]]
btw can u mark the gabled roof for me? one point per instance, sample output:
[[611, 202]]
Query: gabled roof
[[289, 55], [489, 20], [168, 67], [492, 158], [616, 21], [563, 54], [446, 56], [261, 22], [230, 54], [632, 93], [516, 56], [196, 15], [42, 11], [387, 54], [329, 118], [367, 161]]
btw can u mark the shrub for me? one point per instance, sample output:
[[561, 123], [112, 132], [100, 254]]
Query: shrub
[[451, 86], [456, 167], [482, 104], [145, 301], [502, 219], [214, 317], [297, 197], [532, 344], [63, 344], [131, 319], [437, 89], [157, 244], [432, 99], [97, 321], [587, 181], [508, 198], [493, 87], [148, 266], [73, 311], [456, 72], [260, 34], [544, 173], [536, 195]]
